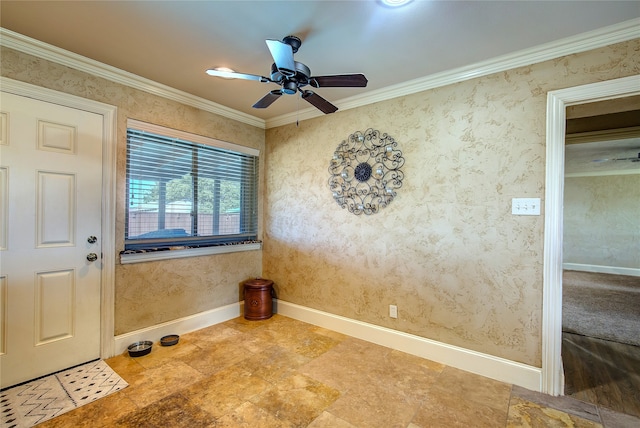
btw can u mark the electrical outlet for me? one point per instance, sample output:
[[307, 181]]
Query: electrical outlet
[[525, 206], [393, 311]]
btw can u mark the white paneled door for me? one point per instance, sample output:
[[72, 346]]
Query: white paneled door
[[50, 237]]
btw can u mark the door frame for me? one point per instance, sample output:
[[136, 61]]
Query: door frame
[[557, 101], [109, 134]]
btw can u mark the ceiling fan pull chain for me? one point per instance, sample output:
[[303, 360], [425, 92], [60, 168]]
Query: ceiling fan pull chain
[[298, 112]]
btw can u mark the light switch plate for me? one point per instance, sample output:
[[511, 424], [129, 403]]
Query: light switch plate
[[525, 206]]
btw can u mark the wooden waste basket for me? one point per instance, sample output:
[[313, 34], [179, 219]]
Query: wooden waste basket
[[257, 299]]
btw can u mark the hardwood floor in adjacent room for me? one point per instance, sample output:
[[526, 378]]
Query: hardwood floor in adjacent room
[[602, 372]]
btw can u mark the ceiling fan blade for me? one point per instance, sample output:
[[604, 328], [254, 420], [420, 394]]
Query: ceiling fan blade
[[282, 54], [234, 75], [268, 99], [318, 102], [339, 81]]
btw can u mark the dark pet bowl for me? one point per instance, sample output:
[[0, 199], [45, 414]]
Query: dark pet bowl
[[169, 340], [139, 349]]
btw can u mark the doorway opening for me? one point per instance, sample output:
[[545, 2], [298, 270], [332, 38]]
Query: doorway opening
[[601, 257], [557, 102]]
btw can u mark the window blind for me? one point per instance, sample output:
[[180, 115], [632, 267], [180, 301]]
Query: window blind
[[185, 193]]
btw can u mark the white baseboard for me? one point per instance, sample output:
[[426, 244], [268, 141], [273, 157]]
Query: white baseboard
[[179, 326], [483, 364], [601, 269], [476, 362]]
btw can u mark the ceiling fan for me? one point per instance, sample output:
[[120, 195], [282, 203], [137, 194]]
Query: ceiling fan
[[293, 76], [633, 159]]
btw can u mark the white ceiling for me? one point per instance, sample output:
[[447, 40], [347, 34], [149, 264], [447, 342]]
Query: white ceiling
[[174, 42], [602, 157]]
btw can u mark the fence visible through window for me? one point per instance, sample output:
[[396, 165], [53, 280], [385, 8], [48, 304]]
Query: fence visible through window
[[185, 189], [142, 222]]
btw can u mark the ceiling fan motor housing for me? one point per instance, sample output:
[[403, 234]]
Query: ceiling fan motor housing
[[290, 84], [294, 42]]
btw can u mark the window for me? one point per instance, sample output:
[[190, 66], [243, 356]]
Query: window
[[185, 190]]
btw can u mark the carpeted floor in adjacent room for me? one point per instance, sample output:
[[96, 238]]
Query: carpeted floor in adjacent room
[[601, 305]]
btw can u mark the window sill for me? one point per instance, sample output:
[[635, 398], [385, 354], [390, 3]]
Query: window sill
[[127, 257]]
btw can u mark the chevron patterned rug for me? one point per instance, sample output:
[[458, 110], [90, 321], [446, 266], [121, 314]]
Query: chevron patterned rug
[[34, 402]]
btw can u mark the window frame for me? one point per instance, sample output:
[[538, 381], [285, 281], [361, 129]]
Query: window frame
[[163, 248]]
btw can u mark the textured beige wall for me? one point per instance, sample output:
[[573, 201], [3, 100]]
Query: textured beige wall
[[447, 251], [461, 269], [153, 292], [602, 220]]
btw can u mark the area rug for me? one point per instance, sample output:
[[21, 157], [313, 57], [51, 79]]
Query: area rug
[[39, 400], [603, 306]]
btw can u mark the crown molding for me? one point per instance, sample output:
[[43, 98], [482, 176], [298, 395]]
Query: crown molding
[[605, 36], [607, 134], [621, 32], [60, 56]]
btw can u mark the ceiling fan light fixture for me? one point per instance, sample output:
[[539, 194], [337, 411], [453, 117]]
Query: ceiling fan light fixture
[[211, 71], [289, 87]]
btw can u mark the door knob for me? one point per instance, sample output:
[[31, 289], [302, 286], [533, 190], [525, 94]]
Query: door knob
[[92, 239], [92, 257]]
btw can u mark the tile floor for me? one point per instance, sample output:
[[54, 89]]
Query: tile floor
[[285, 373]]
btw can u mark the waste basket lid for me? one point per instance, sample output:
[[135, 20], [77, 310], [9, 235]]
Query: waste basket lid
[[257, 282]]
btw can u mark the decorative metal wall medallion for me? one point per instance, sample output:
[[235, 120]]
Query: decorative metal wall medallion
[[365, 172]]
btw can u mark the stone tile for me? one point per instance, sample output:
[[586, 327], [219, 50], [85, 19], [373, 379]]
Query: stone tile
[[274, 363], [400, 357], [212, 359], [128, 368], [248, 415], [306, 342], [281, 322], [158, 382], [160, 355], [374, 406], [523, 413], [232, 331], [328, 420], [330, 333], [225, 390], [211, 335], [97, 414], [255, 344], [292, 329], [406, 373], [563, 403], [297, 399], [172, 411], [448, 408], [347, 364], [285, 373], [476, 388], [244, 325], [611, 419]]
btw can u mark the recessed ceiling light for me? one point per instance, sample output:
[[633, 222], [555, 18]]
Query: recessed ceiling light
[[395, 3]]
